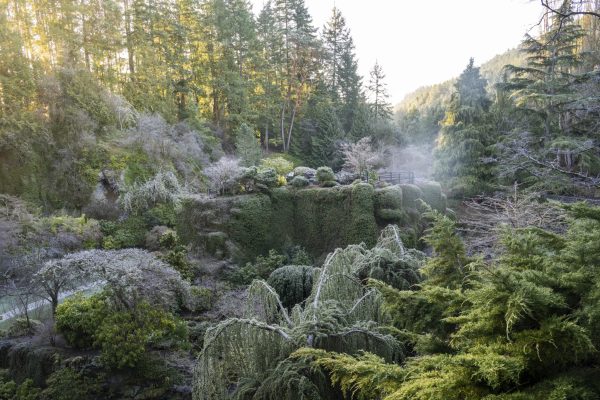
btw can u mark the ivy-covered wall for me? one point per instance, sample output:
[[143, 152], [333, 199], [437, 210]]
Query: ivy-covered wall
[[318, 219]]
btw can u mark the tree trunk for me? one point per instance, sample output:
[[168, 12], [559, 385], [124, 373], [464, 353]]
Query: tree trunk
[[129, 40]]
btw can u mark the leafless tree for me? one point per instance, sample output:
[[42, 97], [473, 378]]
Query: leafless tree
[[486, 217], [361, 157], [223, 174]]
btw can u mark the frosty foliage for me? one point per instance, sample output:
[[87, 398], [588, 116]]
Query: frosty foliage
[[223, 174], [341, 314], [361, 157], [162, 142], [164, 187], [124, 113], [129, 276]]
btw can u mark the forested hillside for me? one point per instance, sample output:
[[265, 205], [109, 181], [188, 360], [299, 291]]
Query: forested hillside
[[205, 200]]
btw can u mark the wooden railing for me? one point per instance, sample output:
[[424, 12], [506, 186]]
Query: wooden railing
[[397, 177]]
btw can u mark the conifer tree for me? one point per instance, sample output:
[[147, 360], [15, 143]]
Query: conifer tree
[[464, 140], [381, 109]]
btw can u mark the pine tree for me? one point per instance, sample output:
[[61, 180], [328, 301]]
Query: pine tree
[[464, 140], [341, 68], [247, 146], [381, 109]]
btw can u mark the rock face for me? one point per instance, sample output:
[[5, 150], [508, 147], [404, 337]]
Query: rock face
[[239, 228], [23, 360]]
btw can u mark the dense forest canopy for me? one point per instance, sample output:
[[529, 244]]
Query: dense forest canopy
[[200, 200]]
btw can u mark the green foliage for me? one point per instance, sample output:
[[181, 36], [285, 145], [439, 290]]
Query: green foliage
[[261, 268], [325, 174], [202, 298], [279, 164], [299, 182], [410, 194], [247, 146], [293, 283], [78, 318], [511, 330], [24, 391], [123, 336], [130, 232], [450, 266], [67, 384]]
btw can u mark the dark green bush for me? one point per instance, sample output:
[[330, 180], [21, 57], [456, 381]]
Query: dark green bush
[[259, 269], [299, 182], [68, 384], [128, 233], [293, 283], [267, 178], [389, 197]]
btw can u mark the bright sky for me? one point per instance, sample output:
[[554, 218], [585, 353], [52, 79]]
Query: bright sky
[[425, 42]]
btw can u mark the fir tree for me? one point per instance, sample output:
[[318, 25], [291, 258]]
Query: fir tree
[[463, 144]]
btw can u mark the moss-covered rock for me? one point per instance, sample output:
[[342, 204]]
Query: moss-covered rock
[[25, 360]]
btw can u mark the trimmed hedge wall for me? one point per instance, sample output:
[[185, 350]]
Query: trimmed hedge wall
[[318, 219]]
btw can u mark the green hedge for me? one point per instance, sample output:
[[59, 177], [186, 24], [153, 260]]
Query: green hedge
[[318, 219]]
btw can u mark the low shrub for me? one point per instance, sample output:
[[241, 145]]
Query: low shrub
[[325, 174], [293, 283], [299, 182], [279, 164], [78, 318], [259, 269]]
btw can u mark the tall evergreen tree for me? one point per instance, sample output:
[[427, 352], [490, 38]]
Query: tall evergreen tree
[[381, 109], [341, 68], [464, 140]]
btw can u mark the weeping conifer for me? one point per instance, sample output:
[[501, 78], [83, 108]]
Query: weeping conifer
[[248, 357]]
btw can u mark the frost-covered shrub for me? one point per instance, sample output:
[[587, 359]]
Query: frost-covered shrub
[[179, 144], [163, 188], [293, 283], [267, 178], [325, 174], [299, 182], [123, 112], [128, 277], [223, 174], [306, 172]]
